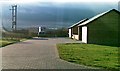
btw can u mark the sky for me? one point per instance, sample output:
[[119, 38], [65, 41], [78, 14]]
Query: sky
[[53, 13], [63, 1]]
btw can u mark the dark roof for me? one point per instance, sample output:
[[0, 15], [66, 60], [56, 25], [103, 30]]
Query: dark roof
[[97, 16], [76, 24]]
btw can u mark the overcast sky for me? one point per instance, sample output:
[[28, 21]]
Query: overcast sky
[[53, 13]]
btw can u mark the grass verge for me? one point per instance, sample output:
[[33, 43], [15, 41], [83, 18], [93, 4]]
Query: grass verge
[[4, 42], [105, 57]]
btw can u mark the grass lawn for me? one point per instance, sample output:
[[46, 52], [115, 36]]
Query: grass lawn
[[105, 57], [8, 42]]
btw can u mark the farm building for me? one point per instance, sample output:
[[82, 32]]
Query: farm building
[[100, 29], [73, 30]]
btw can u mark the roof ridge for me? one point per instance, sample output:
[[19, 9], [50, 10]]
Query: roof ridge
[[115, 10], [79, 22], [97, 16]]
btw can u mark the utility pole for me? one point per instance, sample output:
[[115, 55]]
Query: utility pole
[[14, 17]]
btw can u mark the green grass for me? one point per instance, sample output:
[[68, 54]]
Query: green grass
[[5, 42], [105, 57]]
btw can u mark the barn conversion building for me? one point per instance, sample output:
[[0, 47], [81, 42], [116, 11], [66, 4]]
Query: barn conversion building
[[100, 29], [74, 30]]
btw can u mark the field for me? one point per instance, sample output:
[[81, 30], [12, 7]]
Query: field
[[105, 57]]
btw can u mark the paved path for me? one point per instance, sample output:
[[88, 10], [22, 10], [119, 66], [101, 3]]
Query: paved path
[[36, 54]]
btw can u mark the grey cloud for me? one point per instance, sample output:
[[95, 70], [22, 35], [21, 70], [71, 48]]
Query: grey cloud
[[54, 15]]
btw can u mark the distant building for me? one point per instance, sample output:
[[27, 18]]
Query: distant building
[[41, 30], [100, 29]]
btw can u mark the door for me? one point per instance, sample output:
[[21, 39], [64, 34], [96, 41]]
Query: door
[[70, 33], [84, 34]]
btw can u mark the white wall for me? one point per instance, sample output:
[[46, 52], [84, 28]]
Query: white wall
[[75, 37], [39, 29], [84, 34], [70, 32]]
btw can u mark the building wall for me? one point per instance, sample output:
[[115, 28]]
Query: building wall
[[104, 30], [70, 32], [75, 37], [75, 32]]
